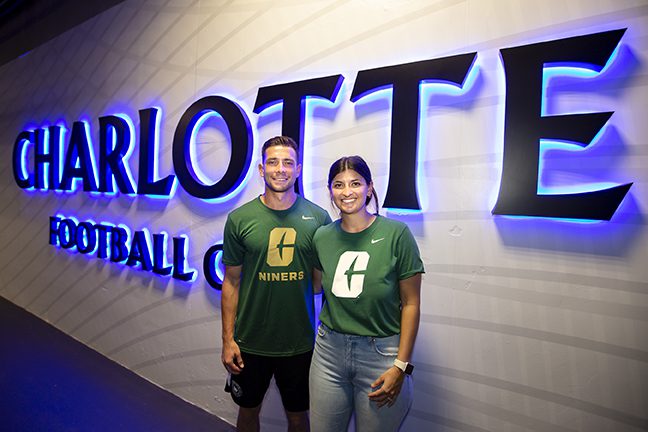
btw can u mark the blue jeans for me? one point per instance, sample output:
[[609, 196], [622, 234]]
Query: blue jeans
[[343, 369]]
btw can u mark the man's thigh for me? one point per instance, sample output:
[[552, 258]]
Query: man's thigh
[[250, 386], [291, 376]]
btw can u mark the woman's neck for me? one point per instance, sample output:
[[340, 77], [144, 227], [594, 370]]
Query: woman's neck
[[357, 222]]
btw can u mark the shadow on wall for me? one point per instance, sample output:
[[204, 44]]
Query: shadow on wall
[[616, 238]]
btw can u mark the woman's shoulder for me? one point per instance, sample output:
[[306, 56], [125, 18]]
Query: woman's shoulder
[[391, 224], [326, 230]]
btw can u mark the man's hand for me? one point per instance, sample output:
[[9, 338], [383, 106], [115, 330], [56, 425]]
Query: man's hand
[[231, 358]]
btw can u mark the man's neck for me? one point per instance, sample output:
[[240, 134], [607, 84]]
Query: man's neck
[[278, 200]]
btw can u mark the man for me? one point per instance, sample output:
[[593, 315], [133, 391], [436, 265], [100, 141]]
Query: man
[[267, 300]]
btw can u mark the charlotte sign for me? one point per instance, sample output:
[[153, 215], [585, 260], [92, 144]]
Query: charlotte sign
[[40, 162]]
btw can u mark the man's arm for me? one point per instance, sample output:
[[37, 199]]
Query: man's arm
[[231, 354], [317, 281]]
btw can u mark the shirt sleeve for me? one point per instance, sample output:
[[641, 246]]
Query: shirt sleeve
[[409, 260], [327, 218], [316, 261], [233, 247]]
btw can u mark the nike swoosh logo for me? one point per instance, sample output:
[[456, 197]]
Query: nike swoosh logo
[[374, 241], [307, 217]]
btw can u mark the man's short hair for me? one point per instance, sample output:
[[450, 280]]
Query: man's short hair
[[280, 141]]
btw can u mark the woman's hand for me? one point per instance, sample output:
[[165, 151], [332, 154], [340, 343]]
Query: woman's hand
[[390, 383]]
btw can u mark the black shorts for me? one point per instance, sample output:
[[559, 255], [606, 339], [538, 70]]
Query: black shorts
[[291, 375]]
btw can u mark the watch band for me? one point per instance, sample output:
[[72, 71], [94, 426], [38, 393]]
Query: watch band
[[406, 367]]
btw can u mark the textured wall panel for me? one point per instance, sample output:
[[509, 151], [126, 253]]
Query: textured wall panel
[[527, 324]]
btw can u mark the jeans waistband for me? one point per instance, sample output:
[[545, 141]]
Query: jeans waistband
[[327, 329]]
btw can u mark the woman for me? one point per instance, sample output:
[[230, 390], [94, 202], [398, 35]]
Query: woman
[[371, 274]]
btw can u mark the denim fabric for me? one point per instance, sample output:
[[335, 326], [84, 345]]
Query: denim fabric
[[343, 369]]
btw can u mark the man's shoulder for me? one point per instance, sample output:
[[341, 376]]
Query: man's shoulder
[[245, 210]]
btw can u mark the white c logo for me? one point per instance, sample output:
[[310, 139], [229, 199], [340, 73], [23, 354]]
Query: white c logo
[[349, 277]]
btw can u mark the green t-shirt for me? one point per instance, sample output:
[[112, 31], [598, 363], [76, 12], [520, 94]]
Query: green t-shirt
[[275, 314], [360, 274]]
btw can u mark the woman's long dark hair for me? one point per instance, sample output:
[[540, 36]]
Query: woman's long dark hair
[[357, 164]]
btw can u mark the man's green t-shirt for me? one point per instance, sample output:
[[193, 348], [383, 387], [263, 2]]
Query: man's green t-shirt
[[360, 275], [276, 313]]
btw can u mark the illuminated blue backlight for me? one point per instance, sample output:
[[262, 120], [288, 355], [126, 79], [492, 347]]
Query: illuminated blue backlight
[[156, 151], [311, 105], [547, 146], [218, 265], [63, 130], [555, 176], [180, 269], [240, 135], [24, 159], [78, 163], [118, 244], [271, 108], [200, 175], [373, 95], [128, 153], [565, 221], [403, 211], [427, 90], [233, 192], [586, 71], [427, 87], [160, 260]]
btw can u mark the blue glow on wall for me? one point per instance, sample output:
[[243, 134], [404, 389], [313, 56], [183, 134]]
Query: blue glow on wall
[[119, 244], [218, 264], [152, 161], [79, 164], [148, 251], [204, 117], [316, 107], [181, 270], [127, 155], [553, 72]]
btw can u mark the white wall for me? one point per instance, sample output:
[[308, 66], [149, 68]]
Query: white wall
[[527, 324]]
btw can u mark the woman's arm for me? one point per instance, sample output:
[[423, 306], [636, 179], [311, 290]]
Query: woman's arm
[[392, 379], [410, 293]]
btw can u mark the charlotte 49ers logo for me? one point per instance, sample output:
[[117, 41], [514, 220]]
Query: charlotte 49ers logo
[[349, 274], [281, 247]]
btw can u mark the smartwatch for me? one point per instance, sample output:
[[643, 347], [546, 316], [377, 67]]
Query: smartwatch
[[406, 367]]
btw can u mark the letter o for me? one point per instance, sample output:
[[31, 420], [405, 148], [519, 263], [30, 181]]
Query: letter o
[[210, 265], [67, 233], [90, 235], [241, 135]]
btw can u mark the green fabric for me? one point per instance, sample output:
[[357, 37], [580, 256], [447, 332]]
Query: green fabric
[[360, 274], [275, 315]]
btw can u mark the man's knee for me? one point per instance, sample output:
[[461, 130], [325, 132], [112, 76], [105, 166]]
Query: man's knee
[[248, 419], [298, 421]]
